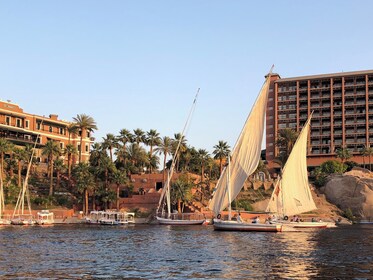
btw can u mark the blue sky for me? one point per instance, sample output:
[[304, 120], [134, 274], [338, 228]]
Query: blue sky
[[138, 64]]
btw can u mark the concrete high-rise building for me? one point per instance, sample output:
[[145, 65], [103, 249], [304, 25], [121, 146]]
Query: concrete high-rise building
[[342, 106], [22, 128]]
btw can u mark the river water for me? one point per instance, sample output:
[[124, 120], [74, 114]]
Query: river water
[[195, 252]]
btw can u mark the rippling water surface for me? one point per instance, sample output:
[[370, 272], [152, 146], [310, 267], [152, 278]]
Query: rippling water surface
[[195, 252]]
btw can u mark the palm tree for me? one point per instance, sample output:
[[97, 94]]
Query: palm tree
[[70, 150], [5, 146], [125, 137], [110, 142], [137, 157], [59, 167], [181, 193], [285, 141], [50, 150], [84, 182], [84, 123], [153, 162], [152, 139], [119, 178], [344, 154], [164, 148], [72, 129], [203, 157], [368, 151], [20, 156], [139, 136], [363, 154], [221, 152], [178, 138]]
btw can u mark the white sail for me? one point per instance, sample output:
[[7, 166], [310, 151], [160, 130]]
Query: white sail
[[292, 194], [245, 156]]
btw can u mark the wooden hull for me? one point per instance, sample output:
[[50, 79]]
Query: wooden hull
[[165, 221], [236, 226]]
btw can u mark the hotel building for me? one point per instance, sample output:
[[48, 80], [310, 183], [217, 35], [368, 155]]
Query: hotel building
[[342, 105], [22, 128]]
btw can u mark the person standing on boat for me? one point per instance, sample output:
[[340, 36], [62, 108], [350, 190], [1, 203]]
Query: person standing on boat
[[239, 219]]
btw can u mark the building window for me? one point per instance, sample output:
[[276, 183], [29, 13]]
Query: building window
[[19, 123], [61, 145], [61, 130], [7, 120], [78, 148], [86, 149], [27, 124], [38, 126], [50, 128]]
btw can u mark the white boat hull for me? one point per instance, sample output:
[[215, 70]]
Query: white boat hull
[[165, 221], [109, 222], [236, 226], [303, 225], [4, 222], [21, 222]]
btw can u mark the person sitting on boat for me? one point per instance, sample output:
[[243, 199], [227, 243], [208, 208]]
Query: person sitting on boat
[[295, 219], [256, 220]]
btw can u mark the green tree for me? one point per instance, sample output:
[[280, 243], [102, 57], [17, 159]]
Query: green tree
[[181, 192], [327, 168], [110, 142], [221, 152], [84, 123], [343, 154], [285, 142], [20, 156], [119, 178], [152, 139], [164, 147], [139, 136], [70, 151], [59, 167], [51, 149], [368, 152], [179, 141], [5, 147], [203, 158], [84, 182]]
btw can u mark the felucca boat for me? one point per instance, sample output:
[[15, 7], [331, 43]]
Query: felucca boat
[[292, 194], [241, 164], [20, 217], [164, 214]]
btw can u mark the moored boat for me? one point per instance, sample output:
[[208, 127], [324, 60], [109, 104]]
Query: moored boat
[[242, 163], [164, 213], [45, 218], [181, 219], [292, 194], [231, 225]]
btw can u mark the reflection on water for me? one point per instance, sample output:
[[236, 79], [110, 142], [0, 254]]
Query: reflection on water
[[195, 252]]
